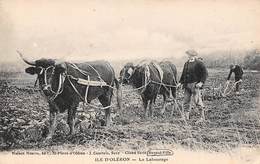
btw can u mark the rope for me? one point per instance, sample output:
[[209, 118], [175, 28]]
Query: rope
[[84, 72], [159, 69], [148, 80], [88, 84], [60, 90], [62, 79], [80, 70], [168, 85], [85, 102], [86, 93], [161, 79], [135, 89]]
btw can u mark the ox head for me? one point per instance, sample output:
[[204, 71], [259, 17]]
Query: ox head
[[135, 75], [49, 73], [126, 73], [140, 75]]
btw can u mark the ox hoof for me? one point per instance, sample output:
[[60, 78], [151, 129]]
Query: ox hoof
[[71, 133], [186, 116], [200, 121], [47, 140], [185, 119], [107, 123], [169, 100], [162, 111]]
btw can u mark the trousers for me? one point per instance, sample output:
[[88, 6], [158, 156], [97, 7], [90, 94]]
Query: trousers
[[192, 95], [237, 84]]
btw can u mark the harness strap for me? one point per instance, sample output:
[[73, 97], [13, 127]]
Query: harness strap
[[45, 76], [35, 83], [168, 85], [86, 94], [75, 89], [77, 68], [96, 72], [159, 69], [147, 74], [60, 89], [84, 100], [174, 80], [44, 70], [146, 78], [84, 72]]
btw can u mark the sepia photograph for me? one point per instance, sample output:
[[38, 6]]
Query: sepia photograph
[[130, 81]]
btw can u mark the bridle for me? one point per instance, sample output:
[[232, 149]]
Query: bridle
[[48, 87], [124, 73], [146, 78]]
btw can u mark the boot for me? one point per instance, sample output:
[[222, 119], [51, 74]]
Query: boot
[[202, 118], [187, 115]]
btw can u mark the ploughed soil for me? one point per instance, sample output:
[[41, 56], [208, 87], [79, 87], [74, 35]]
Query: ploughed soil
[[231, 121]]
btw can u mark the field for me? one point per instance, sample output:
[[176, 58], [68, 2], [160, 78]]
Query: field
[[231, 121]]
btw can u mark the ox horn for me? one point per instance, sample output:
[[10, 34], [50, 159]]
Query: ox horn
[[26, 61], [58, 61]]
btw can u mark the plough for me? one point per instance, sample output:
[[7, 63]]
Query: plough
[[221, 90]]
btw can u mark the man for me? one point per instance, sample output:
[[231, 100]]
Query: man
[[193, 77], [238, 71]]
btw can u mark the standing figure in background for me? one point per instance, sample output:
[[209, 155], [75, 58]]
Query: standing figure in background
[[193, 77], [238, 71]]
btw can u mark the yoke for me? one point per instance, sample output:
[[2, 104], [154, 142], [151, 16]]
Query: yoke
[[91, 83]]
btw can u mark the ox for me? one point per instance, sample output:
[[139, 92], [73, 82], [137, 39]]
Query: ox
[[65, 85], [151, 79]]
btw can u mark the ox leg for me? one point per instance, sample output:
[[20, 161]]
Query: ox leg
[[151, 108], [71, 119], [145, 103], [175, 105], [53, 124], [105, 100], [164, 104], [173, 92], [108, 117]]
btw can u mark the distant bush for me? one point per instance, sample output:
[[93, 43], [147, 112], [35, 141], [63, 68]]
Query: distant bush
[[252, 60], [222, 61]]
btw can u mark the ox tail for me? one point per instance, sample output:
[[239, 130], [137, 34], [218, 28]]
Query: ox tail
[[119, 94]]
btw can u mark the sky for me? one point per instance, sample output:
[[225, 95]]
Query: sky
[[128, 29]]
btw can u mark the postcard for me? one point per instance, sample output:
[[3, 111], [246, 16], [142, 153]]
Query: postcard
[[133, 81]]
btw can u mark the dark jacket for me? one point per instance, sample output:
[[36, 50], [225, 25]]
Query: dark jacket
[[194, 72], [238, 71]]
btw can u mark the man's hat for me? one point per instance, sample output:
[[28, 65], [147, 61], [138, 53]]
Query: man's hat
[[191, 53], [231, 66]]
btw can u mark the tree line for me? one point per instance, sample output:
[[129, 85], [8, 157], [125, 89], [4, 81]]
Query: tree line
[[248, 60]]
